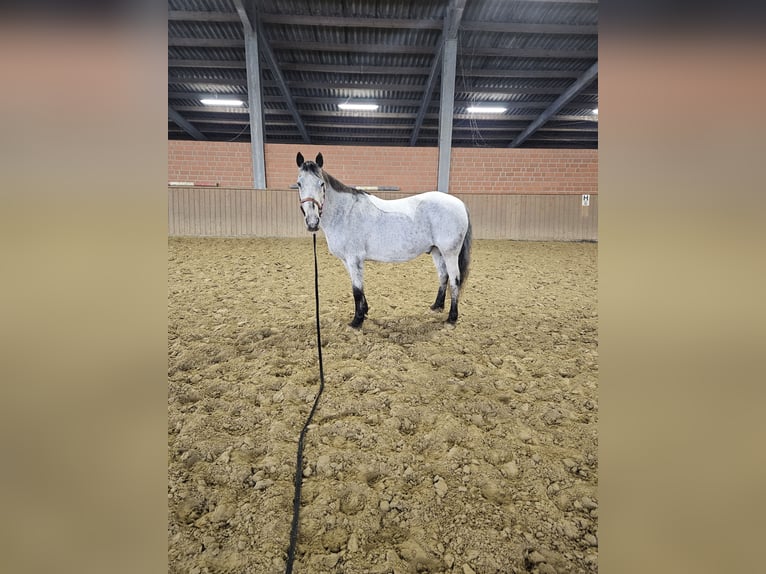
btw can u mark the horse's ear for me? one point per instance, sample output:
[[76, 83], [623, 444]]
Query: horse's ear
[[299, 159], [320, 159]]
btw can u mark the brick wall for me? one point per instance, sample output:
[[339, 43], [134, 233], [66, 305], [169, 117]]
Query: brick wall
[[524, 171], [413, 169], [226, 163]]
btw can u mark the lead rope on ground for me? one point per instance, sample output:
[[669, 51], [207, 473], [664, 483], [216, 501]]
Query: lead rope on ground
[[299, 458]]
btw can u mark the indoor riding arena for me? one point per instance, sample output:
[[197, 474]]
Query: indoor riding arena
[[436, 446]]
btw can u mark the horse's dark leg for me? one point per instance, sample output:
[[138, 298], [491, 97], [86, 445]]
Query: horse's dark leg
[[454, 283], [441, 269], [356, 271], [360, 308], [452, 317], [440, 296]]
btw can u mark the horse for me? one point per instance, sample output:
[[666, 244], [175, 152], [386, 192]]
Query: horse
[[359, 226]]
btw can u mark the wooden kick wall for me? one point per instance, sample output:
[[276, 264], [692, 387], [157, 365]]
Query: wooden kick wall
[[247, 212]]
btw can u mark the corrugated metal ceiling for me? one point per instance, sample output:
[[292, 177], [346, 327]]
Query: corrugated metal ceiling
[[522, 54]]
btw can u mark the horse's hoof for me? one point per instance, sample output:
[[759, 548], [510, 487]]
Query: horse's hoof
[[356, 323], [437, 308], [452, 319]]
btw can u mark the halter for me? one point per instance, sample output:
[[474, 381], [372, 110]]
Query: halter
[[315, 202]]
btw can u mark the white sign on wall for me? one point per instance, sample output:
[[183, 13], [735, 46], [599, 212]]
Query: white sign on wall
[[585, 199]]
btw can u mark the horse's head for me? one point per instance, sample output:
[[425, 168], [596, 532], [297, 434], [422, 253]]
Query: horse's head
[[311, 189]]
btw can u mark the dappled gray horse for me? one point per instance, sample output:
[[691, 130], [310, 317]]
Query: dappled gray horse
[[359, 226]]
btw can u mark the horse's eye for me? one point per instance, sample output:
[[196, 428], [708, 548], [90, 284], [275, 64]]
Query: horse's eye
[[299, 184], [322, 184]]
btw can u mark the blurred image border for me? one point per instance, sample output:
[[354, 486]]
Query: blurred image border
[[83, 182]]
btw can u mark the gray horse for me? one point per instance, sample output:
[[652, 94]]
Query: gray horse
[[359, 226]]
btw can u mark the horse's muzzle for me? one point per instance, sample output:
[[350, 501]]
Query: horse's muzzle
[[313, 227]]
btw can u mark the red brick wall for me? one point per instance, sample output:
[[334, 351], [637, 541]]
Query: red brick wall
[[226, 163], [521, 171], [413, 169]]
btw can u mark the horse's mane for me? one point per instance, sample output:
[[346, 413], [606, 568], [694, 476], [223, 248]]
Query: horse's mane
[[335, 183], [338, 185]]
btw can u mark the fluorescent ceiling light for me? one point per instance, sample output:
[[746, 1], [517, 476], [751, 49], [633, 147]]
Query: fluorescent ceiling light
[[221, 102], [485, 110], [348, 106], [595, 111]]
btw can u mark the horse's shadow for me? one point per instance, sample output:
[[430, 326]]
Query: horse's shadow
[[405, 329]]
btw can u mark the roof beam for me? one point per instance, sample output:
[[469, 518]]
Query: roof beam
[[225, 121], [217, 64], [175, 79], [361, 69], [206, 42], [491, 92], [450, 29], [534, 53], [564, 1], [353, 47], [351, 22], [453, 19], [426, 24], [386, 115], [485, 126], [545, 74], [351, 125], [332, 136], [368, 69], [271, 60], [185, 125], [563, 140], [586, 78], [487, 122], [386, 48], [481, 91], [350, 114], [505, 128], [556, 137], [423, 71], [329, 124], [427, 94], [201, 16], [200, 95], [520, 117], [386, 23], [244, 17], [227, 128], [408, 102], [485, 90], [352, 86], [527, 28]]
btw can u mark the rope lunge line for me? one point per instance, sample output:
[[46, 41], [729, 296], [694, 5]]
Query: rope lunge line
[[299, 458]]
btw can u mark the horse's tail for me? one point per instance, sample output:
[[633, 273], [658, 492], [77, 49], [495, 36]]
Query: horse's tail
[[464, 259]]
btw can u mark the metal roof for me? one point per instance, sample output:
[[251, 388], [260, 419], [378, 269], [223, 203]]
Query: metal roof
[[535, 57]]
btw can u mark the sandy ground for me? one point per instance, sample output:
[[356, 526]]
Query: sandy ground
[[469, 449]]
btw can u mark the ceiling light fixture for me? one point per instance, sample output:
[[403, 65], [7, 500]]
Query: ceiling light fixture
[[221, 102], [485, 110], [595, 111], [358, 107]]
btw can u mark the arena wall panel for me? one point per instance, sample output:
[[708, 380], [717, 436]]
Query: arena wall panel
[[240, 212]]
